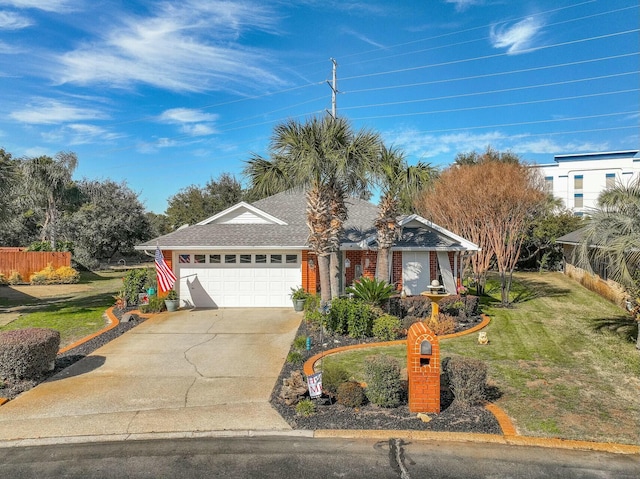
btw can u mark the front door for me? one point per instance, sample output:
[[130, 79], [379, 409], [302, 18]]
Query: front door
[[415, 272]]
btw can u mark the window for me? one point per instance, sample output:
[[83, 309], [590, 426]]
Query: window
[[291, 258], [245, 258], [184, 258], [214, 258], [229, 258], [276, 258], [548, 184], [199, 258], [261, 258], [578, 200], [610, 181], [577, 182]]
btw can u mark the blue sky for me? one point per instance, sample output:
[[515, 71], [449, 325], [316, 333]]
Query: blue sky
[[165, 94]]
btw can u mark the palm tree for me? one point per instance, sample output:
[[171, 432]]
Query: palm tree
[[327, 159], [45, 182], [399, 183], [612, 236]]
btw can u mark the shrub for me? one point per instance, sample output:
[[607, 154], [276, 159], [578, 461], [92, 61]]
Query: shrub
[[300, 343], [3, 280], [295, 357], [407, 321], [444, 324], [67, 275], [384, 386], [137, 281], [371, 291], [15, 278], [27, 353], [386, 327], [468, 380], [350, 394], [305, 408], [61, 275], [155, 305], [418, 306], [351, 317], [333, 375]]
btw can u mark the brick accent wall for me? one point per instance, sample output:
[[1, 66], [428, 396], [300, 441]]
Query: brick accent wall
[[396, 269], [309, 275], [369, 271], [433, 265], [423, 371]]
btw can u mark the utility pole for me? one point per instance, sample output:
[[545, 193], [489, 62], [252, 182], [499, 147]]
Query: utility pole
[[334, 89]]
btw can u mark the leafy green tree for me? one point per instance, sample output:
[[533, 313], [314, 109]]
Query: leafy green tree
[[45, 183], [612, 236], [194, 204], [490, 154], [399, 183], [539, 248], [158, 223], [329, 160], [7, 180], [111, 220]]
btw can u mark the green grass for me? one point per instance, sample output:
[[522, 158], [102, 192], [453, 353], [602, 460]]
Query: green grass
[[559, 372], [75, 314]]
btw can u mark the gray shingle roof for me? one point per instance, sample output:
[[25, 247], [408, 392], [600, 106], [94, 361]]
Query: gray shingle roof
[[575, 237], [289, 206]]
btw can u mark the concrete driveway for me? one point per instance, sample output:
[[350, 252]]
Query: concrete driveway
[[177, 372]]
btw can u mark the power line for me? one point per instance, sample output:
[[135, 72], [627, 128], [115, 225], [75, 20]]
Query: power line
[[490, 92], [591, 95], [486, 57], [488, 75]]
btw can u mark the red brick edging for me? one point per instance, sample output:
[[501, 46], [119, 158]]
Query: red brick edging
[[508, 429]]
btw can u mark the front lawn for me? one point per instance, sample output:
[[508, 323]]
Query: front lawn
[[74, 313], [563, 366]]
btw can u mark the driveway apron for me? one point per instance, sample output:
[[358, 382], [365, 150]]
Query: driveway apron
[[188, 371]]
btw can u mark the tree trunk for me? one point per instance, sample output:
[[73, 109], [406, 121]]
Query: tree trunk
[[382, 265], [505, 286], [334, 274], [325, 285]]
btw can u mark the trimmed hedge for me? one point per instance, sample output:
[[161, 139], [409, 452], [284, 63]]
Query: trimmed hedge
[[384, 386], [28, 353], [468, 379]]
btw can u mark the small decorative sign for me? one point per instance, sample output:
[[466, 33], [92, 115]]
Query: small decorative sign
[[143, 298], [315, 385]]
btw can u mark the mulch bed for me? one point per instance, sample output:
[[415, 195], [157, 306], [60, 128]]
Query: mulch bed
[[13, 388], [452, 417]]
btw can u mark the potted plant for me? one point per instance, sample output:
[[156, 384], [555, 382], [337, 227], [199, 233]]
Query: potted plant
[[299, 297], [171, 301]]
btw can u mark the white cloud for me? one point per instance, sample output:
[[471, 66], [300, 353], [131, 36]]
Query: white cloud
[[186, 115], [462, 5], [424, 145], [516, 38], [199, 129], [80, 134], [46, 111], [46, 5], [552, 147], [191, 46], [13, 21], [193, 122]]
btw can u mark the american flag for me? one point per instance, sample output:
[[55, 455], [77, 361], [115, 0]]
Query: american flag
[[166, 278]]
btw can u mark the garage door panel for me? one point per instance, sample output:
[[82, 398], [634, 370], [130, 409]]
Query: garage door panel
[[246, 285]]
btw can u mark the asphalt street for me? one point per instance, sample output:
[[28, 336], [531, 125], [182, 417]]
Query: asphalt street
[[284, 457]]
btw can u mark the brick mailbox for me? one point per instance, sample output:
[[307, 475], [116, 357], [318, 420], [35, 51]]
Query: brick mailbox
[[423, 369]]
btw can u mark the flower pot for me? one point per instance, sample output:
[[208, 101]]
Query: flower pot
[[172, 304], [298, 304]]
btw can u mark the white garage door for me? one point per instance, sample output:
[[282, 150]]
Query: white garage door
[[238, 279]]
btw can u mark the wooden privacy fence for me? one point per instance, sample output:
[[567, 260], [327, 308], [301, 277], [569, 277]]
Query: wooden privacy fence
[[28, 262]]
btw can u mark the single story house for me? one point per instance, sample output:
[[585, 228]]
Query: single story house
[[251, 255], [598, 279]]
